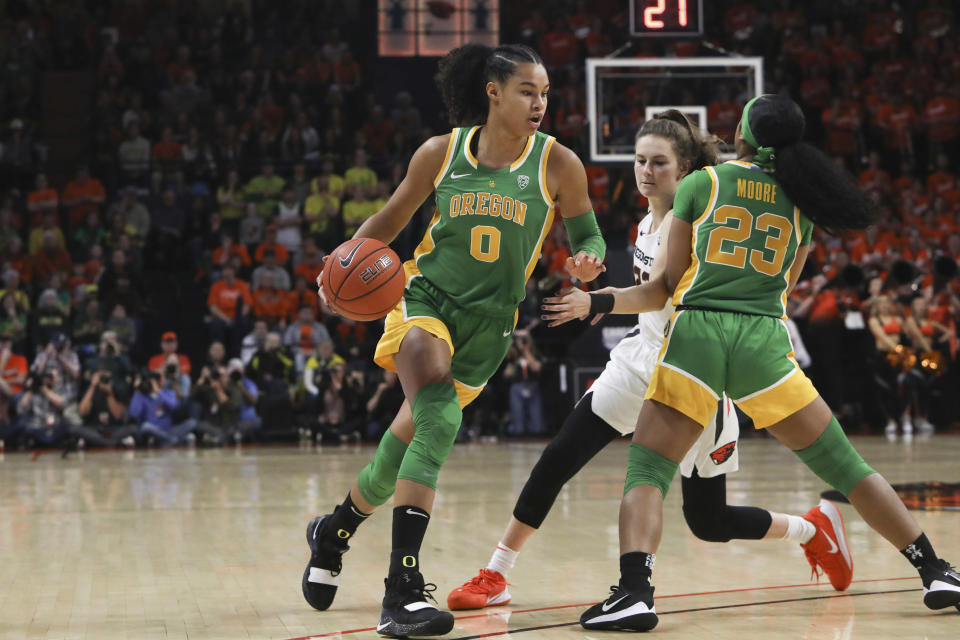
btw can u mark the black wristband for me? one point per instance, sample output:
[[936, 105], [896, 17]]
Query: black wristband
[[601, 302]]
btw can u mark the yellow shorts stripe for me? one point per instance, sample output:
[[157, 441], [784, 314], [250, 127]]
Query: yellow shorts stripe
[[682, 392], [778, 401]]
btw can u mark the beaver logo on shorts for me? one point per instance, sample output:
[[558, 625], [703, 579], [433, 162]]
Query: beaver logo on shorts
[[721, 455]]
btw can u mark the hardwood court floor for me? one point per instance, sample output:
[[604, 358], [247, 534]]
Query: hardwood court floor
[[210, 544]]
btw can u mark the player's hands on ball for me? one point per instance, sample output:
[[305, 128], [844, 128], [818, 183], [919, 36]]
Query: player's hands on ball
[[323, 296], [570, 304], [584, 266]]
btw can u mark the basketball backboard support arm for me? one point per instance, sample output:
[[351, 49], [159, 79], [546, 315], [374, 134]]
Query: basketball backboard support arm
[[753, 66]]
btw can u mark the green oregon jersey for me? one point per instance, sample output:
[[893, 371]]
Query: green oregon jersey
[[485, 236], [745, 238]]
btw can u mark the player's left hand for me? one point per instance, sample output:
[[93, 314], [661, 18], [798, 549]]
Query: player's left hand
[[584, 266], [570, 304]]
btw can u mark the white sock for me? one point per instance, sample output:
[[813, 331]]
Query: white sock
[[799, 529], [503, 559]]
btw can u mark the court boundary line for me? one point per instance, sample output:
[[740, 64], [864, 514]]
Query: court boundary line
[[331, 634]]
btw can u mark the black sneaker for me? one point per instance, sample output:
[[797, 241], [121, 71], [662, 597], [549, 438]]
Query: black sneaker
[[406, 611], [622, 611], [941, 585], [322, 575]]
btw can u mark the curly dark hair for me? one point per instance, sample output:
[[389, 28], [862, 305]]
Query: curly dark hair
[[825, 192]]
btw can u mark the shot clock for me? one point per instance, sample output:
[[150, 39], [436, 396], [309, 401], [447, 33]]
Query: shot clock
[[666, 18]]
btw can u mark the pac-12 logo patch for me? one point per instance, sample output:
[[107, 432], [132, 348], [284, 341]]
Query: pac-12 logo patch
[[523, 181], [721, 455]]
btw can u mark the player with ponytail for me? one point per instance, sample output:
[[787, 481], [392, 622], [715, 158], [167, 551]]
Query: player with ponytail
[[738, 242]]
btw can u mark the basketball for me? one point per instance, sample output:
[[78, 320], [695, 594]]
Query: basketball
[[363, 279]]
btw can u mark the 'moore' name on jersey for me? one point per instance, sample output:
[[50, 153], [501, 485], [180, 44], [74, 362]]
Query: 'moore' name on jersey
[[485, 236]]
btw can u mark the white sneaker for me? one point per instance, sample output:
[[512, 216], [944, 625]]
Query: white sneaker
[[191, 439], [128, 442], [924, 426], [890, 430], [81, 443], [907, 426]]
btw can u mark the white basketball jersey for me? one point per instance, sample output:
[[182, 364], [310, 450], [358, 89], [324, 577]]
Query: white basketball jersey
[[652, 323]]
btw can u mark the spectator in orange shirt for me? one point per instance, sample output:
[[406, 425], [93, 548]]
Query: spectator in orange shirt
[[270, 244], [311, 264], [82, 195], [168, 347], [873, 178], [13, 373], [559, 46], [302, 296], [41, 200], [227, 249], [896, 120], [346, 72], [723, 115], [842, 123], [270, 303], [378, 131], [229, 303], [50, 259], [943, 179], [942, 118]]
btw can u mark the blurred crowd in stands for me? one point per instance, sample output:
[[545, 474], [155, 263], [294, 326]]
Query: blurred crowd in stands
[[161, 290]]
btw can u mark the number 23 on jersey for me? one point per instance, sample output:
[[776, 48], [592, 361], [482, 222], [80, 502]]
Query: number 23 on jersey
[[726, 243]]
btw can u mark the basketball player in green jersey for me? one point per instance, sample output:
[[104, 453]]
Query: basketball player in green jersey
[[498, 183], [736, 247]]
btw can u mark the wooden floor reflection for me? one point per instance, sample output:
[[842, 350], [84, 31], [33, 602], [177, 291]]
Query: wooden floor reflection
[[209, 544]]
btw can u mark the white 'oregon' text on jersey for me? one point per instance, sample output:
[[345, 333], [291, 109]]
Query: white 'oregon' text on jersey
[[647, 247]]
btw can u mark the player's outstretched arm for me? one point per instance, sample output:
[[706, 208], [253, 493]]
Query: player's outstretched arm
[[413, 190], [649, 296], [572, 197]]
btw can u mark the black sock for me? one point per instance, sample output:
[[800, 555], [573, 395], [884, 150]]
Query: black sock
[[635, 570], [919, 552], [409, 527], [346, 518]]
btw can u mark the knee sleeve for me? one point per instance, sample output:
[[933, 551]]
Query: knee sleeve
[[710, 518], [582, 435], [436, 420], [834, 459], [378, 479], [646, 466]]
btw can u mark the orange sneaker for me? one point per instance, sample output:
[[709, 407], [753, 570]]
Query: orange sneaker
[[828, 548], [487, 589]]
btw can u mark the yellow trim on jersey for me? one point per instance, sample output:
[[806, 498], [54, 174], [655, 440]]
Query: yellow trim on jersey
[[523, 156], [547, 146], [679, 389], [447, 158], [427, 244], [396, 329], [740, 162], [789, 269], [780, 400], [466, 147], [465, 393], [671, 387], [690, 275]]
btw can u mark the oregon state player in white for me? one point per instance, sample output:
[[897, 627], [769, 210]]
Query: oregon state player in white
[[667, 148]]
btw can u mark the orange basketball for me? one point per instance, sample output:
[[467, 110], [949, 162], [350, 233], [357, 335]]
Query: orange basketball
[[363, 279]]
